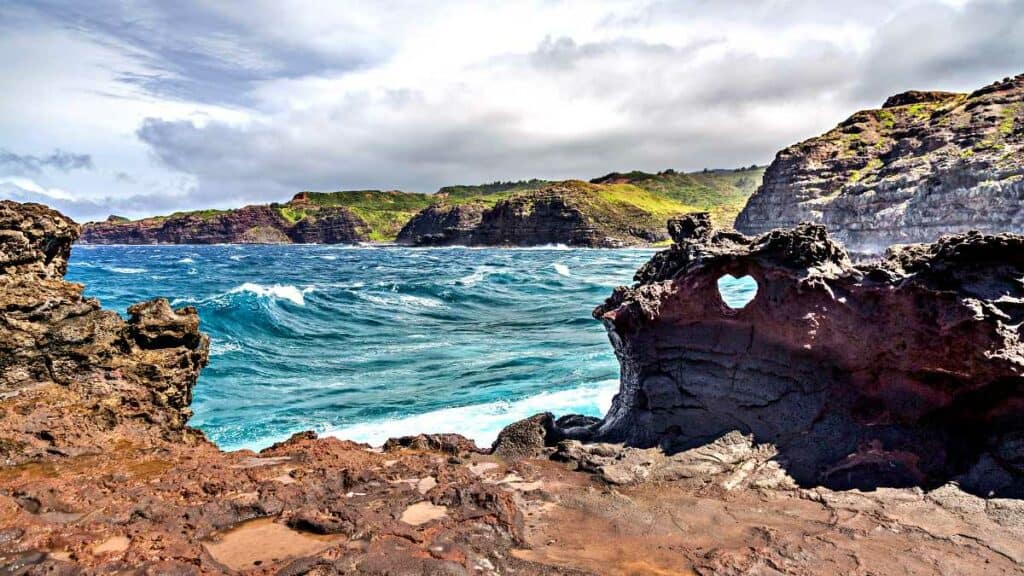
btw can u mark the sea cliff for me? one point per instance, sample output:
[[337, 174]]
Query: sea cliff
[[570, 213], [615, 210], [923, 165], [247, 225], [101, 472]]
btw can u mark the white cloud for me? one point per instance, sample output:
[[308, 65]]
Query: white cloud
[[218, 104]]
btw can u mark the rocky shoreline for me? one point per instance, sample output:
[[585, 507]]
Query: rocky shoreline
[[612, 211], [102, 474]]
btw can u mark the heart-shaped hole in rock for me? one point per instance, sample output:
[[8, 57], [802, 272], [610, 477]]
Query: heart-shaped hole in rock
[[737, 292]]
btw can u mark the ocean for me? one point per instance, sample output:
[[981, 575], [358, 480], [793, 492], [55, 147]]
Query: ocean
[[367, 343]]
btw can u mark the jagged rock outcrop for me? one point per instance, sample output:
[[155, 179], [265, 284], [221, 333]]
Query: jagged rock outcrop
[[259, 224], [442, 225], [571, 213], [99, 475], [904, 371], [99, 471], [924, 165], [62, 355]]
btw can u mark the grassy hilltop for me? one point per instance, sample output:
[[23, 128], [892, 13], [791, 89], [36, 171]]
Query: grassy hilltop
[[646, 199]]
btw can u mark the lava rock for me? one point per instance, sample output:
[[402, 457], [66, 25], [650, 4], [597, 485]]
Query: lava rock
[[903, 371]]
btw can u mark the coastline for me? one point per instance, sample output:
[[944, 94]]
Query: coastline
[[108, 475]]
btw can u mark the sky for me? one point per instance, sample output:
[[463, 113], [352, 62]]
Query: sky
[[143, 107]]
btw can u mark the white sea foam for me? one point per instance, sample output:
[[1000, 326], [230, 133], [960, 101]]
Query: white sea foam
[[121, 270], [463, 247], [186, 260], [405, 300], [218, 347], [329, 257], [561, 269], [238, 257], [479, 273], [482, 422], [283, 291]]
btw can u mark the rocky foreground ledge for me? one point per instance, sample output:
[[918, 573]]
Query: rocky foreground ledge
[[100, 473]]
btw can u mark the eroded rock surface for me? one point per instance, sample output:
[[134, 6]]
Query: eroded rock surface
[[924, 165], [905, 371], [258, 224], [101, 475], [572, 213], [80, 375]]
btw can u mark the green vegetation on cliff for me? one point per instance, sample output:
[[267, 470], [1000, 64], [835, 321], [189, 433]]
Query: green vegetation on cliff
[[720, 192], [637, 199], [489, 193], [384, 211]]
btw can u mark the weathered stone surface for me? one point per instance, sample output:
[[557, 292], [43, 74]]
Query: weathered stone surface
[[99, 475], [526, 438], [258, 224], [563, 213], [454, 444], [531, 437], [926, 164], [34, 240], [79, 373], [904, 371], [731, 462]]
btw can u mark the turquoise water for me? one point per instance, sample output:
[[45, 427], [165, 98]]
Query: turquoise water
[[371, 342]]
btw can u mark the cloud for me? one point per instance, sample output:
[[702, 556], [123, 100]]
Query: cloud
[[29, 164], [267, 98], [91, 209], [944, 46], [197, 51]]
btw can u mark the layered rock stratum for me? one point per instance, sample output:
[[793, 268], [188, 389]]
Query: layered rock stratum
[[101, 474], [570, 213], [259, 224], [614, 210], [924, 165]]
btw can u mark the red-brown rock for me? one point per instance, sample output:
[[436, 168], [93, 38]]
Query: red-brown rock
[[904, 371]]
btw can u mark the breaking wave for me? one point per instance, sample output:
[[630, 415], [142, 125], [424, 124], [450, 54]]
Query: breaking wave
[[372, 342], [482, 422], [283, 291]]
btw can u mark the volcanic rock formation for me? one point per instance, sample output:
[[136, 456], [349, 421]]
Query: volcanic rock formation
[[570, 213], [924, 165], [100, 474], [68, 358], [258, 224], [904, 371]]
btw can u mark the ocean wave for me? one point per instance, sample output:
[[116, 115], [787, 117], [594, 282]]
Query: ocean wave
[[502, 248], [406, 300], [479, 273], [186, 260], [282, 291], [482, 422], [123, 270], [219, 347], [562, 269]]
